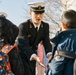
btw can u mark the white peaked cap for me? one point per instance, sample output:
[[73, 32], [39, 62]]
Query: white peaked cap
[[36, 4]]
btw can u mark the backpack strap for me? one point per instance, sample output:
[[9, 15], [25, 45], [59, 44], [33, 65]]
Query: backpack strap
[[7, 48]]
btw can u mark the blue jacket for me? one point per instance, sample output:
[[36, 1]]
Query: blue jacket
[[65, 40]]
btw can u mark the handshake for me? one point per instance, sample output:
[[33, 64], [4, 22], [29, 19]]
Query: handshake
[[36, 58]]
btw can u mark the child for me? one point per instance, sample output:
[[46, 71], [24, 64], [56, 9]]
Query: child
[[64, 46], [8, 34]]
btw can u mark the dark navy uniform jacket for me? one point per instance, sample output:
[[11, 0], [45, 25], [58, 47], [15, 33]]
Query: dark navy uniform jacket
[[28, 41]]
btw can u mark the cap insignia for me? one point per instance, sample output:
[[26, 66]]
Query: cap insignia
[[39, 7]]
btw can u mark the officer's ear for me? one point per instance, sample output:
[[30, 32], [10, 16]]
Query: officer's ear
[[30, 12], [64, 27]]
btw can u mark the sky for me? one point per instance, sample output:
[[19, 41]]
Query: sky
[[15, 9]]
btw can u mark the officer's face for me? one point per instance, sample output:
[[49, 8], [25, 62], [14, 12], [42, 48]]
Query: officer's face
[[36, 17]]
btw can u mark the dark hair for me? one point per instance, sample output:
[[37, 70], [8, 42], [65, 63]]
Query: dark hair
[[8, 31], [69, 18]]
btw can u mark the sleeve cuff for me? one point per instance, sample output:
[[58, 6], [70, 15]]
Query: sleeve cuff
[[33, 55], [48, 54]]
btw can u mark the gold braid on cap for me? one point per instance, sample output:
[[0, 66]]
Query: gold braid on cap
[[39, 8]]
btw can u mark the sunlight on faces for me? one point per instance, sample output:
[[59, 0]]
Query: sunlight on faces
[[36, 18]]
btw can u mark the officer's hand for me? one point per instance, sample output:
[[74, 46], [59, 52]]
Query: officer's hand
[[38, 60]]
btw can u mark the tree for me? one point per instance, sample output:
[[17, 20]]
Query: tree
[[68, 4], [53, 14]]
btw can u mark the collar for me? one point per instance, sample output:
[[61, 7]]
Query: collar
[[69, 32], [36, 26]]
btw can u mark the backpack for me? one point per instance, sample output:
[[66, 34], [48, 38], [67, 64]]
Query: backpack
[[5, 68]]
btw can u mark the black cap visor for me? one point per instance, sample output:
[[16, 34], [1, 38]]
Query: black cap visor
[[39, 12]]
